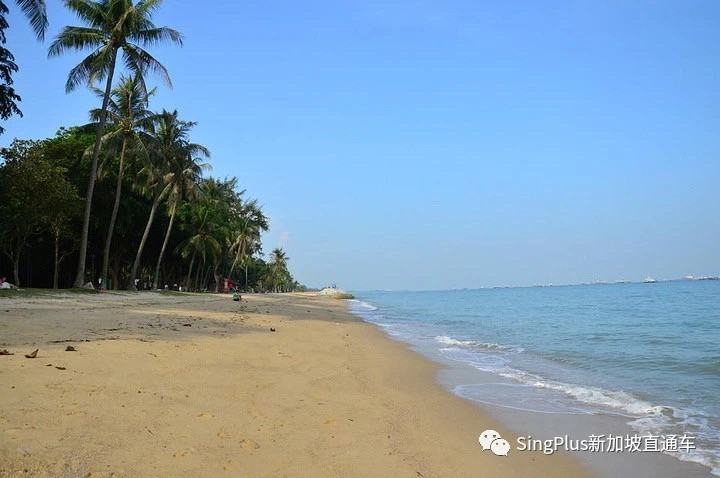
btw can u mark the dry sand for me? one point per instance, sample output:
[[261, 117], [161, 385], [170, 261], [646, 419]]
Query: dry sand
[[171, 386]]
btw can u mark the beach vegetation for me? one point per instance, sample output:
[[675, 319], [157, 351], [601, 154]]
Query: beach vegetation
[[126, 195], [111, 28], [204, 229]]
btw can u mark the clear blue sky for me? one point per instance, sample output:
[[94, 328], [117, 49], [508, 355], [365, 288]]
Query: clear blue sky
[[429, 144]]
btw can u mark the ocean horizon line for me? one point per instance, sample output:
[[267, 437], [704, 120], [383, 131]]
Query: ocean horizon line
[[539, 285]]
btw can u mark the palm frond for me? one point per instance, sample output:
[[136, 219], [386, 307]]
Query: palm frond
[[156, 36], [146, 7], [197, 150], [77, 38], [36, 11], [85, 70], [89, 11], [140, 61]]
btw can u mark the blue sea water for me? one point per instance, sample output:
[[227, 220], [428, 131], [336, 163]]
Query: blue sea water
[[647, 352]]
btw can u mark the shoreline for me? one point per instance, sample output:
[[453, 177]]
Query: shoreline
[[575, 426], [176, 386], [453, 375]]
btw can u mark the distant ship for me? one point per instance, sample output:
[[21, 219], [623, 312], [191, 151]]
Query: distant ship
[[649, 280], [622, 281]]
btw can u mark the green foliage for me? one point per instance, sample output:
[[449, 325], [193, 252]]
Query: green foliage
[[35, 197], [214, 220], [278, 278], [35, 192], [112, 28]]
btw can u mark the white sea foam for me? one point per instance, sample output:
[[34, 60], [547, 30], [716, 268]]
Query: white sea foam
[[647, 417], [360, 304], [617, 400], [445, 340], [614, 401], [678, 421]]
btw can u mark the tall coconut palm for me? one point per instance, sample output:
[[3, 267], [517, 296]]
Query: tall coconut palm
[[247, 229], [165, 168], [130, 119], [279, 275], [202, 240], [223, 197], [184, 167], [245, 234], [279, 258], [113, 27], [153, 183]]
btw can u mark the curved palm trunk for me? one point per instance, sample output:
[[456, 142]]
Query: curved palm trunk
[[197, 274], [241, 252], [206, 277], [136, 264], [156, 279], [82, 253], [232, 268], [113, 216], [187, 281]]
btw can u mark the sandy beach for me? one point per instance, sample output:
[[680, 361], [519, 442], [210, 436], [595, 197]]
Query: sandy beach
[[199, 385]]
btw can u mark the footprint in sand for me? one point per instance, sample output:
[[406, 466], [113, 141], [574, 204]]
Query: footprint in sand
[[182, 453], [76, 413], [249, 444]]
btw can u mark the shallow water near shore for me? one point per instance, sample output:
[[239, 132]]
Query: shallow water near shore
[[645, 355]]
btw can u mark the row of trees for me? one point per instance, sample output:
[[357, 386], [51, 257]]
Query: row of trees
[[146, 169], [156, 217]]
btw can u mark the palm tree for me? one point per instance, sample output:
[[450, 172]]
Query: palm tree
[[221, 196], [245, 235], [113, 26], [152, 182], [202, 239], [278, 272], [185, 169], [165, 169], [130, 119], [251, 223]]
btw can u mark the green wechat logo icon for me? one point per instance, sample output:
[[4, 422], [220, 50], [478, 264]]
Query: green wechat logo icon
[[490, 439]]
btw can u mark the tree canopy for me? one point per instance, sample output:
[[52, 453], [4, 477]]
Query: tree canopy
[[217, 231]]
